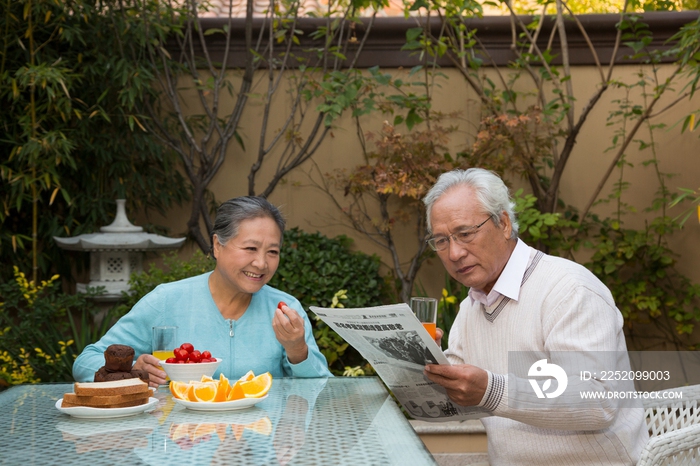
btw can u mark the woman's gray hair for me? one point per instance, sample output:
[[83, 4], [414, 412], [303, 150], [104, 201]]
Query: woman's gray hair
[[233, 212], [491, 192]]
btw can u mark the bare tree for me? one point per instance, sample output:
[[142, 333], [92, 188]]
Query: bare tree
[[218, 59], [453, 36]]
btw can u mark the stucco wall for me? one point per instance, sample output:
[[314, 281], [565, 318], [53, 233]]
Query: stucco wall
[[309, 209]]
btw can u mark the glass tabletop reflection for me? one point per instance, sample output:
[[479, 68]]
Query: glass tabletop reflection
[[335, 421]]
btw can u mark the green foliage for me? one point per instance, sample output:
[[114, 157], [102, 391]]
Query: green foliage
[[37, 338], [313, 268], [638, 267], [545, 231], [65, 138], [448, 306]]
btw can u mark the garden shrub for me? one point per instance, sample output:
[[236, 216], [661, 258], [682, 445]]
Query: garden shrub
[[38, 335], [314, 268]]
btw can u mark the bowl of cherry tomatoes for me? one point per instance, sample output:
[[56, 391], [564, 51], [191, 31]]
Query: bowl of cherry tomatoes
[[188, 363]]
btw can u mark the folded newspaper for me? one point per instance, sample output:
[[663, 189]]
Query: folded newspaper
[[395, 343]]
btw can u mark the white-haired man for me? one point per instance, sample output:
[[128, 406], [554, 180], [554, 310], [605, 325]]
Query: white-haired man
[[521, 300]]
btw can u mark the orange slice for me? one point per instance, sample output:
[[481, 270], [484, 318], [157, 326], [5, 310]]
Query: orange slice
[[236, 392], [258, 386], [261, 426], [207, 378], [222, 389], [248, 376], [205, 392], [179, 389], [190, 392]]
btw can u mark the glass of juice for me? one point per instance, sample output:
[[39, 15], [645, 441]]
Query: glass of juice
[[425, 310], [164, 342]]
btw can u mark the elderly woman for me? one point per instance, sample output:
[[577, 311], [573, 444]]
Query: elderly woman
[[230, 311]]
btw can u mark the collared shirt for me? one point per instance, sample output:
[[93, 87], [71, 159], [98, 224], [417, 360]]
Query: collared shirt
[[508, 283]]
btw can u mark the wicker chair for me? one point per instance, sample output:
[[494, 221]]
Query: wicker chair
[[674, 429]]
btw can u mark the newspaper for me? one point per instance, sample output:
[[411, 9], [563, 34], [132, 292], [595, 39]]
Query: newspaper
[[395, 343]]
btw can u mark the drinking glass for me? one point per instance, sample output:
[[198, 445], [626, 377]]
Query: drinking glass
[[164, 342], [425, 310]]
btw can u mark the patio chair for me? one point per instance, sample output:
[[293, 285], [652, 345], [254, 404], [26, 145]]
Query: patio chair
[[674, 429]]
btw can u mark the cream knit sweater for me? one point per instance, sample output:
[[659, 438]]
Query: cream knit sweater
[[562, 307]]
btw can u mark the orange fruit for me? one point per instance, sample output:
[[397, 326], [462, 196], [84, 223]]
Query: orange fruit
[[207, 378], [179, 389], [190, 392], [261, 426], [222, 389], [205, 392], [236, 392], [258, 386], [248, 376]]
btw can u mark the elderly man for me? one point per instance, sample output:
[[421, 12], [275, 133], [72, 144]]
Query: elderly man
[[522, 300]]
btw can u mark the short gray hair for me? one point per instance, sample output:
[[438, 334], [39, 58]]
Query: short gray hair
[[233, 212], [490, 189]]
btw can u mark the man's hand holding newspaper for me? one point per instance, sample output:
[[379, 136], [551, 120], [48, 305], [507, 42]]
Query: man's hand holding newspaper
[[395, 343]]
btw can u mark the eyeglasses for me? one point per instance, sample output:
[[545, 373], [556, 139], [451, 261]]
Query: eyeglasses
[[440, 243]]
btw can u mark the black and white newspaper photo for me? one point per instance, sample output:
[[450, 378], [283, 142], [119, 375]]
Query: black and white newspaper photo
[[398, 347]]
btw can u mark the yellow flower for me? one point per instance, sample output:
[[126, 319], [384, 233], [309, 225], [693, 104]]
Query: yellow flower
[[341, 294], [448, 299]]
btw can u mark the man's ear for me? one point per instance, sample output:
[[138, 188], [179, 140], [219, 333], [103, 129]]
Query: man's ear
[[506, 225]]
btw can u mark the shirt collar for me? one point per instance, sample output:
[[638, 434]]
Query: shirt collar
[[508, 283]]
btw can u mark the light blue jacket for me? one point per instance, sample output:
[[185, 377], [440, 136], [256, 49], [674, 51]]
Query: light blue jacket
[[248, 343]]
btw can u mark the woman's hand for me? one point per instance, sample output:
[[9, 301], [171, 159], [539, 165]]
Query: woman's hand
[[289, 330], [151, 364]]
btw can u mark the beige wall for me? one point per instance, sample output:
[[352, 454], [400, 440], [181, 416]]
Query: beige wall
[[310, 210]]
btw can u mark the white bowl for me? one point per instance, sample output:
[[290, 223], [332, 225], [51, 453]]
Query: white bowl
[[188, 372]]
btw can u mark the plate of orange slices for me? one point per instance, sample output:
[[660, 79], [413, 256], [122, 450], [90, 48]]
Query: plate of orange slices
[[210, 394]]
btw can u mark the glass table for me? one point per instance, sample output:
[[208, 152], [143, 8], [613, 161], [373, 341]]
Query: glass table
[[324, 422]]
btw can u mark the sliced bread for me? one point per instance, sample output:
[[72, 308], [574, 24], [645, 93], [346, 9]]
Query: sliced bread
[[106, 400], [98, 403], [115, 387]]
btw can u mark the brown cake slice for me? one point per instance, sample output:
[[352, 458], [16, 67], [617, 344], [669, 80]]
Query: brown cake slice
[[119, 358]]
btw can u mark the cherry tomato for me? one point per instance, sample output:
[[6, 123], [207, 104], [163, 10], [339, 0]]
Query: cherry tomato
[[195, 356], [191, 362], [205, 360], [171, 361], [189, 347], [206, 355], [280, 304], [181, 354], [181, 362]]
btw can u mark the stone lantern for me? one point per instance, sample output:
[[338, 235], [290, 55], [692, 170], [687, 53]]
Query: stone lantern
[[115, 253]]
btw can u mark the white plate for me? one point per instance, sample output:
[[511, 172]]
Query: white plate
[[221, 405], [85, 412]]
